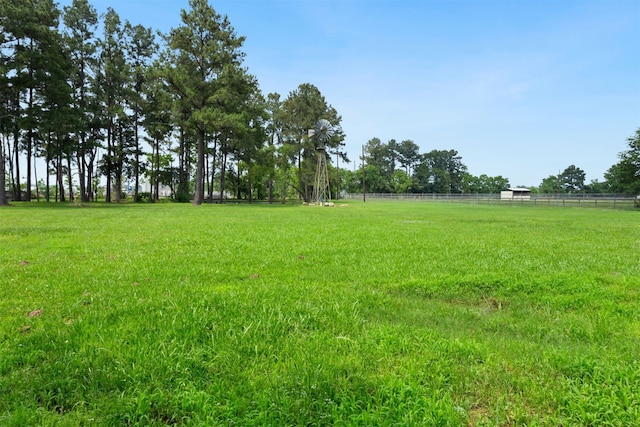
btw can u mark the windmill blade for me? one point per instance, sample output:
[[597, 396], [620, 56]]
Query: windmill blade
[[324, 130]]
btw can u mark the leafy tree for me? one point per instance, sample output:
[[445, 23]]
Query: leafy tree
[[393, 155], [485, 184], [400, 181], [408, 154], [350, 181], [550, 185], [379, 159], [284, 173], [624, 176], [596, 187], [440, 171], [572, 179], [375, 181]]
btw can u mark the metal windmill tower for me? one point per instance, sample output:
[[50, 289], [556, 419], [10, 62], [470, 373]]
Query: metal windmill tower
[[321, 188]]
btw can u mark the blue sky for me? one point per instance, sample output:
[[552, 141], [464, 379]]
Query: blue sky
[[521, 89]]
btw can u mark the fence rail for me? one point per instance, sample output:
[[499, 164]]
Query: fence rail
[[602, 201]]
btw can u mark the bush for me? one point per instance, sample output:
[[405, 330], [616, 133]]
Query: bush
[[181, 197], [144, 197]]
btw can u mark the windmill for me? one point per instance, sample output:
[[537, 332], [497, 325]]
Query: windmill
[[321, 190]]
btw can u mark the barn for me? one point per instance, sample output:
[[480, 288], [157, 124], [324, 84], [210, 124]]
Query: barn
[[518, 193]]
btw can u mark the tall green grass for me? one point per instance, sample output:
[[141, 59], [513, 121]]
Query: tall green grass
[[363, 314]]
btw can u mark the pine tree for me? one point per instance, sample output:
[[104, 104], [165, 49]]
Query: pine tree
[[140, 47], [28, 33], [113, 74], [81, 21], [199, 52]]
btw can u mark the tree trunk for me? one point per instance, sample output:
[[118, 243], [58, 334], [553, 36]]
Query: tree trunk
[[17, 194], [284, 188], [205, 178], [96, 178], [199, 191], [30, 131], [210, 173], [60, 178], [82, 171], [4, 201], [118, 165], [85, 169], [29, 164], [300, 195], [183, 167], [213, 168], [180, 153], [8, 157], [223, 171], [239, 195], [117, 188], [47, 191], [91, 169], [157, 172], [88, 187], [35, 176], [137, 163], [108, 160], [70, 178]]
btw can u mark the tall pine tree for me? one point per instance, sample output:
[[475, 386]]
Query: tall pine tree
[[198, 53]]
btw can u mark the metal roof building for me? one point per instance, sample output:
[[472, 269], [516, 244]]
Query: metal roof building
[[517, 193]]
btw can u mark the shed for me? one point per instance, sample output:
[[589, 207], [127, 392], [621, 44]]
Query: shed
[[518, 193]]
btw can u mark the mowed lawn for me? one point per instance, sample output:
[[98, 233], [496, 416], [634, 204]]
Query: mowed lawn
[[373, 314]]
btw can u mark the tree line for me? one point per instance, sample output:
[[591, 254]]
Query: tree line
[[99, 100], [104, 104], [399, 167]]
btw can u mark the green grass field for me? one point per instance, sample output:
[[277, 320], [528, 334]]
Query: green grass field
[[375, 314]]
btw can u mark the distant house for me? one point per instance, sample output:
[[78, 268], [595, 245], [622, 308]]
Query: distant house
[[518, 193]]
